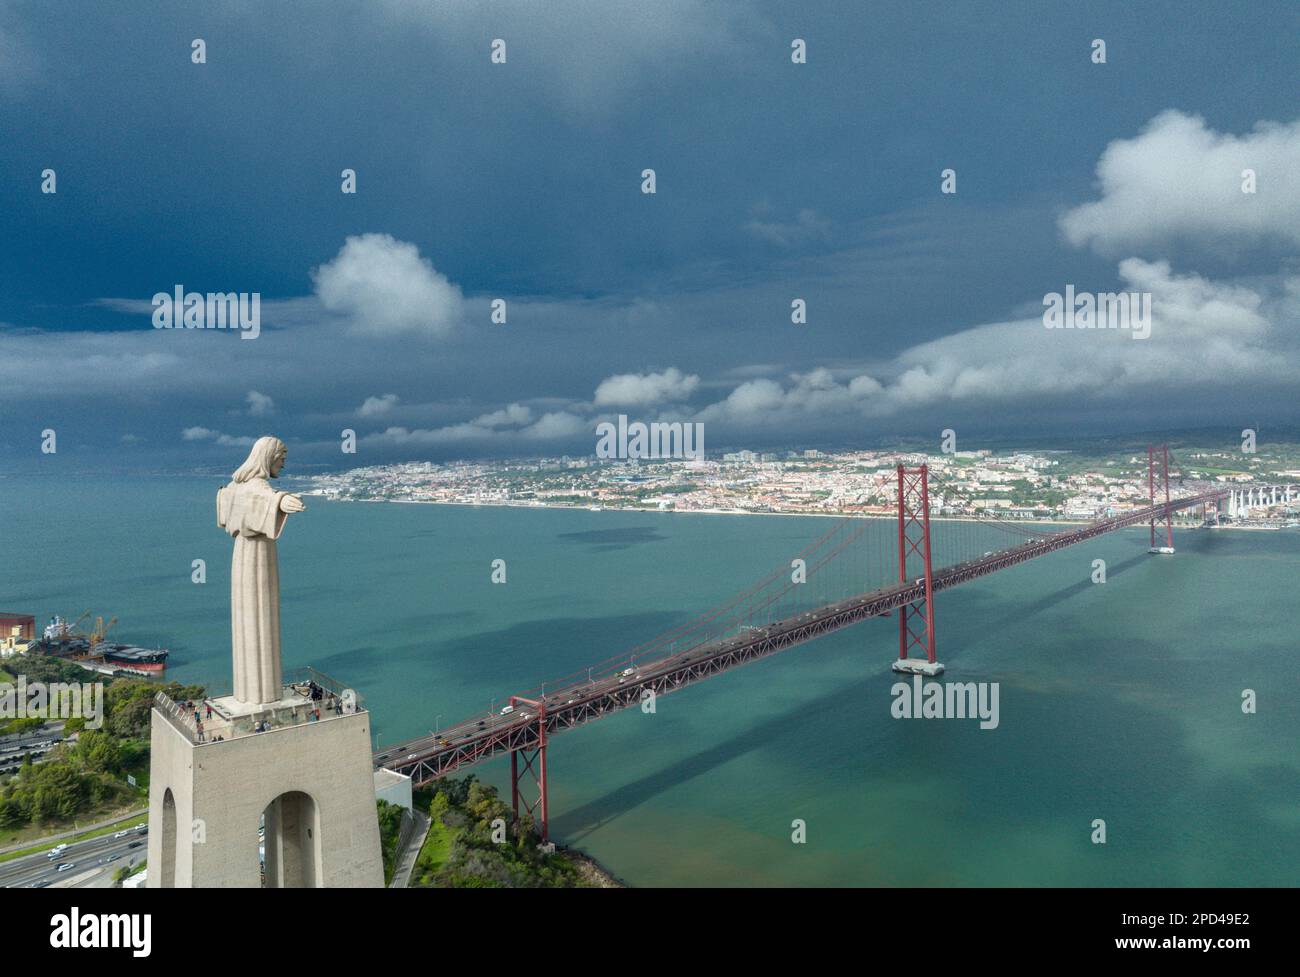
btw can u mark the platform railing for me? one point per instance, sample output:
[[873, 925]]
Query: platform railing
[[323, 697]]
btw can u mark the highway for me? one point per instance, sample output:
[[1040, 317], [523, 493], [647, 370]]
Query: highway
[[37, 743], [93, 861]]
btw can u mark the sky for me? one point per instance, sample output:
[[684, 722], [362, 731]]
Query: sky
[[522, 182]]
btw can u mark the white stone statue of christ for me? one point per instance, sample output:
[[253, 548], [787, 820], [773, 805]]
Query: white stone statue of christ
[[254, 513]]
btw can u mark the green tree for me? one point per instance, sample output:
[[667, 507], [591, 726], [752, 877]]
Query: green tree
[[99, 752]]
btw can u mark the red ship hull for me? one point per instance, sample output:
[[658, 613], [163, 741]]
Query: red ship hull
[[151, 667]]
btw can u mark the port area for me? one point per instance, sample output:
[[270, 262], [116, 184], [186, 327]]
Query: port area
[[1163, 550], [307, 696], [918, 666]]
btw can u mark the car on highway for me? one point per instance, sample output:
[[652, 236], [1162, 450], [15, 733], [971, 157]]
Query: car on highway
[[122, 834], [135, 844], [66, 866]]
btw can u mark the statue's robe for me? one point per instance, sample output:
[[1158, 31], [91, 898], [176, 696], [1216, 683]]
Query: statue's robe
[[250, 512]]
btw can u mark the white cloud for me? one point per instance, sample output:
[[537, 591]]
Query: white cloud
[[207, 434], [556, 425], [259, 404], [1206, 335], [513, 423], [1180, 182], [375, 406], [807, 227], [514, 414], [645, 390], [383, 287], [812, 395]]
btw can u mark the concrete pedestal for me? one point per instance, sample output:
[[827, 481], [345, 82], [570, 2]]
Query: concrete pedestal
[[918, 666], [309, 783]]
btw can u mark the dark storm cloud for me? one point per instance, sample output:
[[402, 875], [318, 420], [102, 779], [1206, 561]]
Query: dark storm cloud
[[522, 182]]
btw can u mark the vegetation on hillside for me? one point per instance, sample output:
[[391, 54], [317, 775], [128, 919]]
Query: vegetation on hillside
[[82, 779], [390, 832], [473, 844]]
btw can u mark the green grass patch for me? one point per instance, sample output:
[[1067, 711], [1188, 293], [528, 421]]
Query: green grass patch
[[433, 856]]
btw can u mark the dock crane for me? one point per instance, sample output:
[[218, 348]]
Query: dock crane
[[100, 632]]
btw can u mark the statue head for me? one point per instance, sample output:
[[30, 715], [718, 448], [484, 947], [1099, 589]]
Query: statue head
[[264, 461]]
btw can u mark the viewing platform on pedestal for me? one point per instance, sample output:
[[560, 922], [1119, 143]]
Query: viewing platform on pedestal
[[309, 696]]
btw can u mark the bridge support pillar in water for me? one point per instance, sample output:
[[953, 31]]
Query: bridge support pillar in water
[[918, 666], [915, 618], [530, 764]]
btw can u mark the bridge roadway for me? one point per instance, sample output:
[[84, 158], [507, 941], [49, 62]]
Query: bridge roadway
[[490, 734]]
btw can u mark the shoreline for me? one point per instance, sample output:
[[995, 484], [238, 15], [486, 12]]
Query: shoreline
[[732, 512], [591, 871], [687, 512]]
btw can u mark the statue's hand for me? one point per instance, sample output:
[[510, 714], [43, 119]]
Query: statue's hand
[[291, 503]]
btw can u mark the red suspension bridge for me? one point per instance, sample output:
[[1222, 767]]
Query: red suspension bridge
[[820, 591]]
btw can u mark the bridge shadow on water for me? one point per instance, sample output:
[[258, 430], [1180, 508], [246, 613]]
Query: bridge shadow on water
[[616, 538], [1058, 597], [576, 824]]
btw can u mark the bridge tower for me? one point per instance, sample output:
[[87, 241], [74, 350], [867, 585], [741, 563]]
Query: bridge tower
[[533, 767], [1168, 548], [916, 618]]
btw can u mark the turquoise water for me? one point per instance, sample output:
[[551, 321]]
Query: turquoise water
[[1118, 701]]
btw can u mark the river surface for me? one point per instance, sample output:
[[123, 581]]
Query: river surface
[[1118, 701]]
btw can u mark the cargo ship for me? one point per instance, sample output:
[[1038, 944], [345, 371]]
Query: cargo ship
[[131, 658], [91, 651]]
